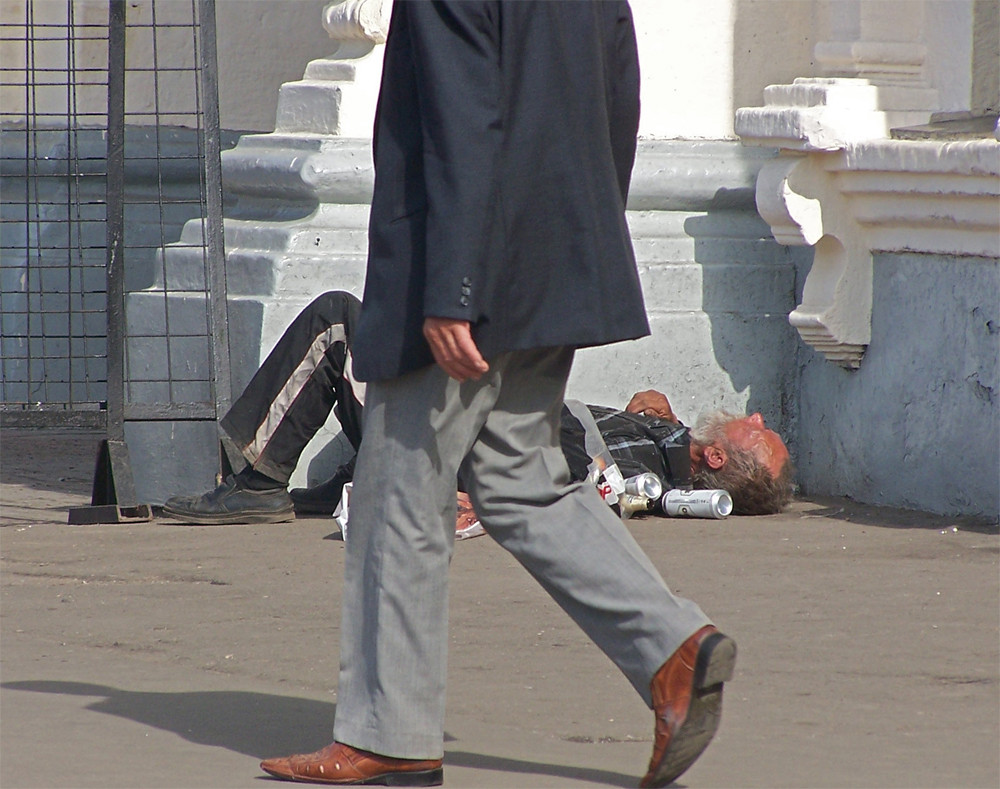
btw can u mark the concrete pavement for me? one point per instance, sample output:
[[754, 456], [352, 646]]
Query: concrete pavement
[[162, 655]]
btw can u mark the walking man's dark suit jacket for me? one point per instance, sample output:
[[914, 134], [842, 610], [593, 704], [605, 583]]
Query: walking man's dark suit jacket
[[505, 138], [501, 172]]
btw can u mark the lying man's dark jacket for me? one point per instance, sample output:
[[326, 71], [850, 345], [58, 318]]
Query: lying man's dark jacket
[[638, 444]]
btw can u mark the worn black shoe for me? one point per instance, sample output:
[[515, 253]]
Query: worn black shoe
[[231, 503], [323, 498]]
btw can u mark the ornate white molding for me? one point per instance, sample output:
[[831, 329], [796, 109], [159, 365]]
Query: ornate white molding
[[365, 20], [826, 113], [799, 198], [878, 195], [885, 61], [336, 95], [839, 184]]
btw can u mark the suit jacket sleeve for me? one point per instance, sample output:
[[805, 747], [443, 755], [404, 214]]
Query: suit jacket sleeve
[[457, 70]]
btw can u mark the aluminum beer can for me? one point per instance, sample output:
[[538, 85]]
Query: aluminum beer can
[[697, 503], [646, 485]]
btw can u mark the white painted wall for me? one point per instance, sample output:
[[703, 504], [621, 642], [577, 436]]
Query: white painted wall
[[949, 52], [685, 51], [262, 44], [701, 59], [50, 55]]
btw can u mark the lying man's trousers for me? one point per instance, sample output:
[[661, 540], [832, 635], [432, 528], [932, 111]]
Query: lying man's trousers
[[307, 375]]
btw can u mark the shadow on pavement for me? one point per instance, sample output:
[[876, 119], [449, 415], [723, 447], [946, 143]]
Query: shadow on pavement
[[256, 724], [263, 725], [478, 761], [890, 517]]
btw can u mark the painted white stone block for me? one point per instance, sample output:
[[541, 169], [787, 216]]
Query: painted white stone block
[[824, 114]]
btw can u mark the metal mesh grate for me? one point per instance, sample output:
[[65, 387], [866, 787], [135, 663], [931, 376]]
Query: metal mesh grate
[[112, 283], [53, 95], [173, 215]]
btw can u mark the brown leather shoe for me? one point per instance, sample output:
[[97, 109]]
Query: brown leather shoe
[[687, 700], [341, 764]]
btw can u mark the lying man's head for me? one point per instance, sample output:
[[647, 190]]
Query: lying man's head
[[741, 455]]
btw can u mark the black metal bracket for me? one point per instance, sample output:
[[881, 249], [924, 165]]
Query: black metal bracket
[[113, 499], [113, 496]]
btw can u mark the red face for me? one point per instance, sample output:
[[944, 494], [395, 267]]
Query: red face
[[750, 433]]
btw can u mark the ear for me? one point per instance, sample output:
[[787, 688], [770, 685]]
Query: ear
[[715, 456]]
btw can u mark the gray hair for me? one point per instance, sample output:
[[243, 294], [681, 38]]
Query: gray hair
[[753, 488]]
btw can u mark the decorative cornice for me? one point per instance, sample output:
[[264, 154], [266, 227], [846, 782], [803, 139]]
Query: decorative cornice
[[827, 113], [887, 196], [799, 199], [900, 61], [840, 185]]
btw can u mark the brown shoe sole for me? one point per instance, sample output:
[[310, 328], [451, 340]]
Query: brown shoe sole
[[714, 665], [418, 778]]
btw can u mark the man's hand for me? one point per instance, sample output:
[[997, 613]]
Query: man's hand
[[454, 349], [651, 403]]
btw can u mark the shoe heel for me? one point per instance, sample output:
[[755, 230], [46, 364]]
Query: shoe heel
[[716, 661], [422, 778]]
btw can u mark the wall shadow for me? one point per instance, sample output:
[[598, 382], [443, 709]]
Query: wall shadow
[[261, 725], [749, 285], [49, 459], [255, 724], [882, 517]]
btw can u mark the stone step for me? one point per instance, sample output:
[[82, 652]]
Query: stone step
[[309, 105], [313, 238], [55, 275], [257, 272], [179, 267], [718, 224], [148, 313], [760, 252], [658, 236], [724, 236], [318, 239], [745, 288], [306, 276], [153, 358], [258, 210], [300, 166]]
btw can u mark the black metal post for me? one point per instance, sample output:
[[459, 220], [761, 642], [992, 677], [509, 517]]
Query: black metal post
[[115, 220], [215, 239], [113, 498]]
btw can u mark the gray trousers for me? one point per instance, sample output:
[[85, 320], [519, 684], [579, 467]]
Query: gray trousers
[[503, 430]]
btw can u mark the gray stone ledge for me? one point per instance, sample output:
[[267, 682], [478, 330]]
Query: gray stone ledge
[[695, 175], [669, 175]]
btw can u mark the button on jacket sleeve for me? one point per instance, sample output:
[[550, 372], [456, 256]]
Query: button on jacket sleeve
[[456, 57]]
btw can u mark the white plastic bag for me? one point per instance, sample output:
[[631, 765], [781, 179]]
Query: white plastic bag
[[343, 509]]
